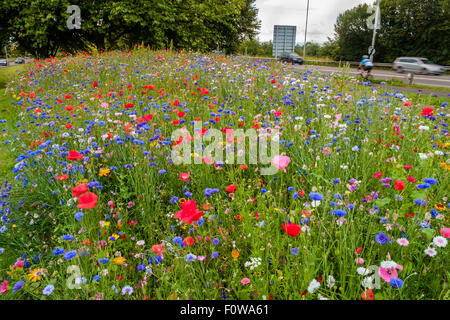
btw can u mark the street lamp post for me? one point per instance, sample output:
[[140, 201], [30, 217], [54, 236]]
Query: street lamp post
[[377, 16], [306, 30]]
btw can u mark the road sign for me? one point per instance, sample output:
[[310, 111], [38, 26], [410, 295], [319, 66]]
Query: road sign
[[371, 51], [283, 39]]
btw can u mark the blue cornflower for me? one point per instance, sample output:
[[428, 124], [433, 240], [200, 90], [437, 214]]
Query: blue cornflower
[[127, 290], [396, 282], [190, 257], [315, 196], [174, 200], [216, 241], [350, 206], [69, 255], [96, 278], [214, 255], [103, 260], [381, 238], [48, 290], [162, 171], [67, 237], [430, 181], [58, 251], [79, 215], [141, 267], [424, 186], [294, 251], [339, 212], [18, 285]]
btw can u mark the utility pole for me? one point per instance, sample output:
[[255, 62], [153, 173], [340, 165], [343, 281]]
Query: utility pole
[[377, 16], [306, 30], [6, 53]]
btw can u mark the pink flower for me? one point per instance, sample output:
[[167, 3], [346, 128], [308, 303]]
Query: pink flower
[[359, 260], [245, 281], [403, 242], [281, 162], [387, 274], [378, 175], [445, 232], [4, 287], [19, 264]]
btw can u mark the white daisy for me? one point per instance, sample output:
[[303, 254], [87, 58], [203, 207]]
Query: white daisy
[[363, 271], [430, 251], [313, 286], [440, 242]]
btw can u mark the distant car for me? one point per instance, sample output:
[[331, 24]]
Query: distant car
[[19, 60], [417, 65], [291, 57], [3, 62]]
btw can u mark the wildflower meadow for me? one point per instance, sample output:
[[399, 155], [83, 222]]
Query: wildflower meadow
[[167, 175]]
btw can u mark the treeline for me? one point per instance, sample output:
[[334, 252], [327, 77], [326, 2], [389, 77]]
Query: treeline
[[408, 28], [39, 27]]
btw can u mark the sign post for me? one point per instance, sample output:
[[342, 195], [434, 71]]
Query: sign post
[[283, 39]]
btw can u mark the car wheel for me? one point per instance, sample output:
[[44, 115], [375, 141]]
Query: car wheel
[[424, 71], [400, 70]]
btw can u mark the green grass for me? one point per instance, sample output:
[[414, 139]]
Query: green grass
[[398, 83], [7, 113]]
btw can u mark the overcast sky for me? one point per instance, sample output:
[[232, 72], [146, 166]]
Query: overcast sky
[[322, 16]]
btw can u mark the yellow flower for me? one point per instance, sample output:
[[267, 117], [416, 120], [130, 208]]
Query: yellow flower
[[119, 260], [104, 172], [35, 274]]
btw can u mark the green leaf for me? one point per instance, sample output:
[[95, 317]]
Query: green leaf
[[382, 202]]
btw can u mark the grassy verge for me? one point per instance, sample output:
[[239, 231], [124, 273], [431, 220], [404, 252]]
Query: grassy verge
[[398, 83], [6, 75]]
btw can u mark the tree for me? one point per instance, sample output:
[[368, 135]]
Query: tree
[[352, 36], [408, 28], [39, 26]]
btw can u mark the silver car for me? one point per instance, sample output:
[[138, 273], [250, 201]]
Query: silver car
[[417, 65]]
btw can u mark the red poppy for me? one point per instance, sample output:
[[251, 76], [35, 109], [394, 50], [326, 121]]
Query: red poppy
[[67, 96], [428, 111], [74, 155], [95, 84], [244, 167], [68, 126], [231, 188], [69, 108], [378, 175], [399, 185], [411, 179], [407, 166], [82, 188], [176, 103], [180, 114], [291, 229], [185, 176], [189, 241], [189, 212], [63, 177], [205, 91], [129, 105], [87, 200], [367, 295]]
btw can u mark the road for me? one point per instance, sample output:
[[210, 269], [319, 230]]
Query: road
[[428, 80]]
